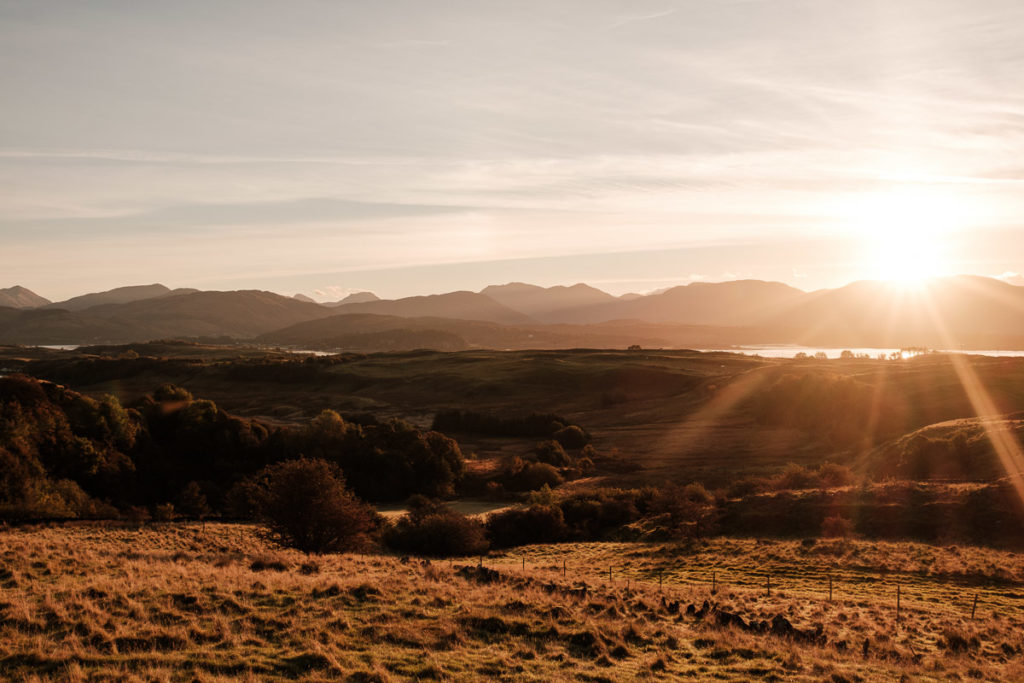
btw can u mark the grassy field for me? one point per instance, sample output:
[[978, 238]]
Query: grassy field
[[184, 602]]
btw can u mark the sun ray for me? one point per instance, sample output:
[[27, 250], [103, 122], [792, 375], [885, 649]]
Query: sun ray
[[1004, 442]]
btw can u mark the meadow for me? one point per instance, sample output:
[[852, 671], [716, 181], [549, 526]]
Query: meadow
[[217, 602]]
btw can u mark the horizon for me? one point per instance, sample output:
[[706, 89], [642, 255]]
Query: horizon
[[407, 149], [333, 296]]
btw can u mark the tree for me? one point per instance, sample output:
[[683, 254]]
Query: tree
[[689, 511], [306, 505], [432, 528], [192, 501]]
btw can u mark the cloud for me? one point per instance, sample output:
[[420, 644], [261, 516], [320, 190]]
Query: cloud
[[1012, 278]]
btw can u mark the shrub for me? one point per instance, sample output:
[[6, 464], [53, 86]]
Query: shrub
[[689, 511], [163, 512], [571, 437], [795, 477], [831, 475], [170, 392], [530, 476], [307, 506], [552, 453], [521, 526], [192, 501], [432, 528], [590, 516], [748, 486]]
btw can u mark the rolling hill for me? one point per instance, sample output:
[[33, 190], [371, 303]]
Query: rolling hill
[[119, 295], [974, 312], [374, 332], [459, 305], [240, 314], [552, 304]]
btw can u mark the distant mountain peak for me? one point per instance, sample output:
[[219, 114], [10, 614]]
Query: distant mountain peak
[[302, 297], [21, 297], [118, 295], [359, 298]]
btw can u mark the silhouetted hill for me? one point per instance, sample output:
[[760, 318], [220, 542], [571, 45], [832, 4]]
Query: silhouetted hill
[[241, 314], [737, 303], [460, 305], [120, 295], [976, 312], [303, 297], [355, 298], [551, 304], [20, 297]]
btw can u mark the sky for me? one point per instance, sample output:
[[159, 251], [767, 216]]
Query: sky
[[409, 147]]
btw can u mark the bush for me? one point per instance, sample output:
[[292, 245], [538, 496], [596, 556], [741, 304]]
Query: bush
[[571, 437], [307, 506], [592, 515], [689, 512], [432, 528], [552, 453], [529, 476], [163, 512], [192, 502], [170, 392], [831, 475], [521, 526]]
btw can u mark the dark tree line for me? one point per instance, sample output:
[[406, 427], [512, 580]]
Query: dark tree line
[[64, 454]]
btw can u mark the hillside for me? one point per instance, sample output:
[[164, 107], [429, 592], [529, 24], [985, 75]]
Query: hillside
[[976, 312], [458, 305], [218, 601], [241, 314], [551, 305], [678, 415], [354, 298], [120, 295], [373, 332], [741, 303], [20, 297]]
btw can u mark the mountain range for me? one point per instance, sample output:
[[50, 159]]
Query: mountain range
[[968, 311]]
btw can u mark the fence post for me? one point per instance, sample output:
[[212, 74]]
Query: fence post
[[830, 589], [659, 581], [563, 568], [609, 575], [769, 585], [974, 606], [524, 562], [714, 582], [897, 603]]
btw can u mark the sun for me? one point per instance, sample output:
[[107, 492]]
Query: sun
[[905, 234]]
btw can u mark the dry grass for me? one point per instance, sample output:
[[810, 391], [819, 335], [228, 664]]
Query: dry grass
[[186, 603]]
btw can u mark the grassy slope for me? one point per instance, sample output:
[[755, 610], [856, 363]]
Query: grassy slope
[[183, 603]]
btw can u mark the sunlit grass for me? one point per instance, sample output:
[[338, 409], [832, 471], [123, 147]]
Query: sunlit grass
[[220, 603]]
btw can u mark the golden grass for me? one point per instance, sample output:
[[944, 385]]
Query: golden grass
[[181, 602]]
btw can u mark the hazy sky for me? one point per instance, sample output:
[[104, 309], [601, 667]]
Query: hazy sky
[[328, 146]]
